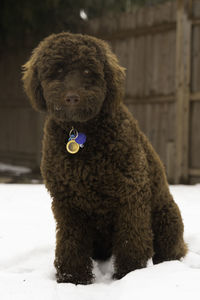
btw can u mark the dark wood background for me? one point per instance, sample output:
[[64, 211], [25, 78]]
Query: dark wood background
[[160, 47]]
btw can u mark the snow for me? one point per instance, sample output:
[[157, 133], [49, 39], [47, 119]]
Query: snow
[[17, 170], [27, 243]]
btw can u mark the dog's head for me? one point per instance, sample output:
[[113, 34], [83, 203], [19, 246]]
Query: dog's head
[[73, 77]]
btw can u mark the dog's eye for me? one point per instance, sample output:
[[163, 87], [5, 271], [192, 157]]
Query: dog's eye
[[86, 72]]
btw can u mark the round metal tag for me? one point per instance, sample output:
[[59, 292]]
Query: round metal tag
[[72, 147]]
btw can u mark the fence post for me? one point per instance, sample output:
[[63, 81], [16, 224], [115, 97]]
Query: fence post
[[183, 65]]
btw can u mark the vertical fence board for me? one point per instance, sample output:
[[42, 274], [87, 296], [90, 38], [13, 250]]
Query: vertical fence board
[[130, 67], [183, 52], [195, 60], [148, 65], [195, 136], [196, 9]]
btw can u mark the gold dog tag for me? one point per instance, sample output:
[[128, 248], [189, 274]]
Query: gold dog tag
[[72, 147]]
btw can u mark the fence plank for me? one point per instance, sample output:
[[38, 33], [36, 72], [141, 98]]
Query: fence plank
[[196, 9], [194, 135], [195, 96], [183, 55], [195, 60]]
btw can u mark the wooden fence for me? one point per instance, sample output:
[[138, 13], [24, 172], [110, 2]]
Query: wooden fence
[[20, 126], [160, 48]]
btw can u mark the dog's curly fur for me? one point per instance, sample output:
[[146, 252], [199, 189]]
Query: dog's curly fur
[[112, 197]]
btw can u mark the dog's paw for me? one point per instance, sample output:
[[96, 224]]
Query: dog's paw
[[119, 275], [75, 278], [123, 270], [74, 273]]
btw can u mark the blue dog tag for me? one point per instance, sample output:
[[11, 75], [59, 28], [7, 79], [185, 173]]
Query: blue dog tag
[[81, 138]]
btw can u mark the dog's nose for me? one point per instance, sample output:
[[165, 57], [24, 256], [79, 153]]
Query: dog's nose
[[72, 98]]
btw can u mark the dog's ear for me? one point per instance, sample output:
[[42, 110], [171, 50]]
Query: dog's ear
[[32, 83], [114, 75]]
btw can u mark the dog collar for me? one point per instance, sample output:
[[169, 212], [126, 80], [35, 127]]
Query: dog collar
[[76, 141]]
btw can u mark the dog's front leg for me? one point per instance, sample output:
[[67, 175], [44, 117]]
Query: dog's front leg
[[133, 240], [73, 257]]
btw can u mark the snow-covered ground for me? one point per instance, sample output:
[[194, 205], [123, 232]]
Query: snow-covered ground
[[27, 242], [17, 170]]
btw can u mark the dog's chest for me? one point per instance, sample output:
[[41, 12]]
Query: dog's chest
[[93, 180], [93, 174], [99, 176]]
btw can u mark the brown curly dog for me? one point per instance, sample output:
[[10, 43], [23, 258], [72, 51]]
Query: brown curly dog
[[109, 188]]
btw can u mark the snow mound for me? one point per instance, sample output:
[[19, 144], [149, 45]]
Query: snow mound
[[27, 243]]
